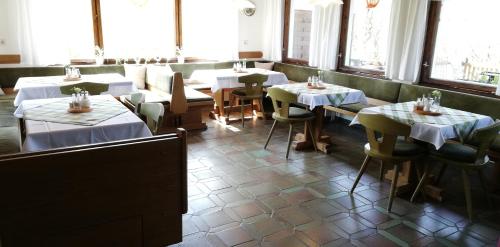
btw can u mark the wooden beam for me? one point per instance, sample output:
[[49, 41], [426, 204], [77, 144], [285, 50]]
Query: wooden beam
[[250, 54], [96, 19], [8, 59], [178, 23]]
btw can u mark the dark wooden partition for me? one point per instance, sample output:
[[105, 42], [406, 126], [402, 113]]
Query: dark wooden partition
[[126, 193]]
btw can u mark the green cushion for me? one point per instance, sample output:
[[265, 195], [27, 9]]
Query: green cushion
[[356, 107], [456, 152], [376, 88], [295, 72], [9, 76], [295, 112], [196, 96]]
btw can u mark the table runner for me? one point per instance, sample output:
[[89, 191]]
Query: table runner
[[332, 95], [433, 129], [57, 112]]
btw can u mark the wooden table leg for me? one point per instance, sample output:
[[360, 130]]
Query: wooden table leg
[[322, 141]]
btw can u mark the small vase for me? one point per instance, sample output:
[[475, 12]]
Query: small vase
[[99, 60]]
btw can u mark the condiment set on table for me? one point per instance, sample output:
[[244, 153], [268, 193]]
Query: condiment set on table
[[80, 102], [72, 73], [314, 82], [428, 105], [240, 67]]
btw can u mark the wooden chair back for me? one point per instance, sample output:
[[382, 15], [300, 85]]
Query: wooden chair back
[[281, 100], [388, 130], [253, 84], [92, 87]]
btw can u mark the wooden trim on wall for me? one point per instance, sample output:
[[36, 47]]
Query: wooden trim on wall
[[178, 23], [344, 28], [10, 59], [96, 19], [250, 54]]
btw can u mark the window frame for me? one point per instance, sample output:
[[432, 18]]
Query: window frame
[[286, 37], [428, 56], [344, 29]]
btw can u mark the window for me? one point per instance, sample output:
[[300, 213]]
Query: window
[[53, 32], [365, 34], [297, 40], [466, 52], [138, 28], [210, 29]]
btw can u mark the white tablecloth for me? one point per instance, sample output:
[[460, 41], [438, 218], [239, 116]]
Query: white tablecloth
[[228, 78], [433, 133], [45, 87], [41, 135], [332, 95]]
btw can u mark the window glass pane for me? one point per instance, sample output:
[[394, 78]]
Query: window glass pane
[[210, 29], [300, 29], [368, 31], [60, 30], [468, 44], [138, 28]]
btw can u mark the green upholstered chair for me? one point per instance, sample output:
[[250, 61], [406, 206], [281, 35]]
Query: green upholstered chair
[[92, 87], [136, 99], [285, 113], [153, 112], [388, 148], [466, 157], [251, 91]]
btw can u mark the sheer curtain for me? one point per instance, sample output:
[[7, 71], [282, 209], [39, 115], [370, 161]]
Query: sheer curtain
[[325, 31], [273, 29], [210, 29], [406, 39], [54, 31]]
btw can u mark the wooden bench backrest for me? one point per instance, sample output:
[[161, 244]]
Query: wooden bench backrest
[[125, 193]]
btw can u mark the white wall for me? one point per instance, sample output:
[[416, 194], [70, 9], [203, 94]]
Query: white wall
[[251, 29], [8, 28]]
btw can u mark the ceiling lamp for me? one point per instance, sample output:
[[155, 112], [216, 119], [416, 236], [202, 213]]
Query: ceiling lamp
[[325, 2], [371, 3]]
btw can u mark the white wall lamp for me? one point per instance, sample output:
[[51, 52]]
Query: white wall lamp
[[246, 7]]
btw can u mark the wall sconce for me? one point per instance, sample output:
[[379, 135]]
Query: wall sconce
[[246, 7]]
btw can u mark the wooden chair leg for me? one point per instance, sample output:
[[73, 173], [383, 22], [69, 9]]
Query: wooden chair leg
[[231, 99], [270, 133], [440, 174], [261, 105], [289, 140], [360, 173], [393, 187], [381, 172], [421, 183], [467, 192], [313, 140], [485, 188], [242, 112]]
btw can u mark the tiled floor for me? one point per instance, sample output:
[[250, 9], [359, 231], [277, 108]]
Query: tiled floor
[[243, 195]]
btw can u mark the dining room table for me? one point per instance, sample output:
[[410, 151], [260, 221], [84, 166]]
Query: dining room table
[[48, 124], [222, 81], [315, 99], [45, 87], [436, 129]]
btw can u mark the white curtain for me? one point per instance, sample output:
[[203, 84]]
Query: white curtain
[[273, 29], [406, 39], [325, 31], [210, 29], [54, 31]]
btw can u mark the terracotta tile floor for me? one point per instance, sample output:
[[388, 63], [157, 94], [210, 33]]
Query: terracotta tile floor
[[243, 195]]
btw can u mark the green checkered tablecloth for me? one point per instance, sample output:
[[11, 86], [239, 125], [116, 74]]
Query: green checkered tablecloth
[[57, 112], [463, 122], [334, 94]]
